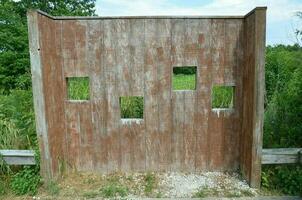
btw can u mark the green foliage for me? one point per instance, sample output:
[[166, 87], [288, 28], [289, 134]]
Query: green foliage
[[17, 125], [184, 82], [286, 179], [3, 187], [114, 189], [150, 183], [222, 96], [283, 114], [10, 133], [132, 107], [78, 88], [14, 54], [17, 130], [26, 181], [62, 8], [184, 70], [4, 167]]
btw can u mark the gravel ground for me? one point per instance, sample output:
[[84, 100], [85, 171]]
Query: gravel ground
[[216, 183]]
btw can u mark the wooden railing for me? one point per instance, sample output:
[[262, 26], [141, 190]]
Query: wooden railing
[[269, 156], [18, 157], [282, 156]]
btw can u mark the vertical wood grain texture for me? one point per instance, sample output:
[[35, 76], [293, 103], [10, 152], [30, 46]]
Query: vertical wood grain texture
[[135, 57], [253, 96], [215, 123], [259, 85], [98, 93], [157, 63], [136, 39], [72, 135], [203, 95], [52, 72], [232, 77], [112, 96], [38, 91], [178, 28]]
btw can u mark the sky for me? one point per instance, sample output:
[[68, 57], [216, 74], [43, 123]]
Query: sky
[[281, 19]]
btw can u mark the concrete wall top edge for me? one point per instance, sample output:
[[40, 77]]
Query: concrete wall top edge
[[148, 17]]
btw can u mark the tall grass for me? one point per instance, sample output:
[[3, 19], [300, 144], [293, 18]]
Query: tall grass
[[222, 96], [11, 137], [78, 88], [17, 123], [184, 81], [132, 107]]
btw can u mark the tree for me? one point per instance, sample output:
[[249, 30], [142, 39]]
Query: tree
[[299, 32], [283, 112], [14, 54]]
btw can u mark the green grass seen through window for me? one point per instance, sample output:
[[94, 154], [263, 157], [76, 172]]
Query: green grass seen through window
[[132, 107], [184, 78], [78, 88], [222, 96]]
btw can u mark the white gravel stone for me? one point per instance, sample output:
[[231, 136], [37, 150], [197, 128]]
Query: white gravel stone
[[185, 184]]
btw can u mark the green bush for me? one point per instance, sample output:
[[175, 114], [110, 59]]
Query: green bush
[[283, 108], [283, 115], [284, 178], [184, 70], [26, 181]]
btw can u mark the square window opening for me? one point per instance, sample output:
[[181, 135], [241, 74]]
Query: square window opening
[[223, 97], [78, 88], [184, 78], [132, 107]]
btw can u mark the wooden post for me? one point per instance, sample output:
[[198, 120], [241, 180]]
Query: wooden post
[[38, 95], [255, 23], [259, 87]]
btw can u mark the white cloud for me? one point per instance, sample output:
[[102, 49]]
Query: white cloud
[[278, 11]]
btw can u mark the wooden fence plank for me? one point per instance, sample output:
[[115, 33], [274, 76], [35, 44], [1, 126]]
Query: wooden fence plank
[[18, 157], [281, 156], [269, 156]]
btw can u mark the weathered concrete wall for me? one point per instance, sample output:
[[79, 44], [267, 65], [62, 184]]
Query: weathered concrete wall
[[134, 56]]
